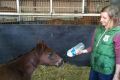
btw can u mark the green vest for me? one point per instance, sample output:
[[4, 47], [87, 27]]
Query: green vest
[[103, 55]]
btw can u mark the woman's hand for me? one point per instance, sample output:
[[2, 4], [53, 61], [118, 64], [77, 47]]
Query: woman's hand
[[116, 77], [78, 52], [117, 72]]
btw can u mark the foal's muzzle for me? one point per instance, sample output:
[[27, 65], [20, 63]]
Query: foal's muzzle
[[59, 63]]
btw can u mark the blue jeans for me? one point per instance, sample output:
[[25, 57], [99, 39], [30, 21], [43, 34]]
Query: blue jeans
[[99, 76]]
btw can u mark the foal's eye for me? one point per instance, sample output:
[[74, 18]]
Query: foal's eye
[[50, 54]]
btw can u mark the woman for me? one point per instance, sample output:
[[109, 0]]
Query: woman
[[105, 55]]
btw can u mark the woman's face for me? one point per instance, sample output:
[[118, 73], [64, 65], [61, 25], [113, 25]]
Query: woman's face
[[105, 19]]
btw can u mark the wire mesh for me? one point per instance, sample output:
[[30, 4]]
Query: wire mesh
[[95, 6], [46, 7], [67, 6], [35, 6], [7, 5]]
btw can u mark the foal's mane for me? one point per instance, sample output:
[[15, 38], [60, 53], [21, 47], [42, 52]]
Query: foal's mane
[[39, 49]]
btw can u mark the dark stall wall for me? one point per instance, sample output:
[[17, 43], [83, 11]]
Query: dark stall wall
[[19, 39]]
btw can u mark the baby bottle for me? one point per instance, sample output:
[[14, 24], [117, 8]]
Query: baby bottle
[[72, 52]]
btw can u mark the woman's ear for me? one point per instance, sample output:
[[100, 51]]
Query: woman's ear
[[111, 23]]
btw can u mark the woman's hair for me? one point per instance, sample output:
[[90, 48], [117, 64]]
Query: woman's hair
[[113, 12]]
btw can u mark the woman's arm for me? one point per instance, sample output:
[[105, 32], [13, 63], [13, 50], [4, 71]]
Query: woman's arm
[[89, 49], [117, 72], [117, 54]]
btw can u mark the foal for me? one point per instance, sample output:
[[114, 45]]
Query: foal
[[23, 67]]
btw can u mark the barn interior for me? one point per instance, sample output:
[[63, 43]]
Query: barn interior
[[60, 23]]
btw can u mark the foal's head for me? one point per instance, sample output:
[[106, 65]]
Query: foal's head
[[47, 56]]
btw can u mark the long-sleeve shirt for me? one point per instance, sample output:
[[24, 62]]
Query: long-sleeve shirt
[[116, 40]]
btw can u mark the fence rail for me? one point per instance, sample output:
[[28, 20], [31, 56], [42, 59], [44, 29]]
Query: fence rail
[[50, 9]]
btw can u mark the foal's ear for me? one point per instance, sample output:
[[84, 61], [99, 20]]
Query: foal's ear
[[40, 42], [40, 46]]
